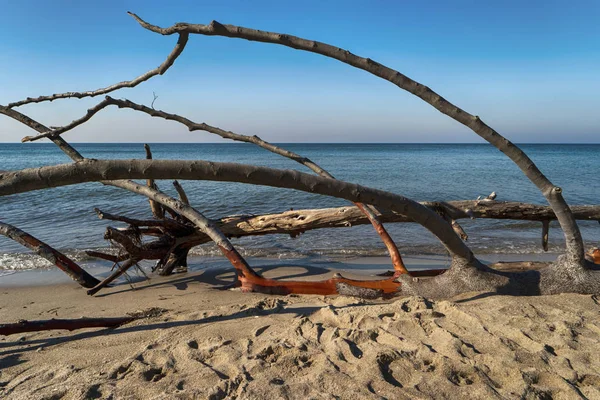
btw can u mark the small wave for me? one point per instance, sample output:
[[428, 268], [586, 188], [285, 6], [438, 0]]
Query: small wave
[[30, 261]]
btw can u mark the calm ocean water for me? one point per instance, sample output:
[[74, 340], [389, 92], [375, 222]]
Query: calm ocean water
[[65, 219]]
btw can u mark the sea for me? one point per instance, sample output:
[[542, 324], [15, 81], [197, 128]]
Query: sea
[[65, 218]]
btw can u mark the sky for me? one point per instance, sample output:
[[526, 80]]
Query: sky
[[528, 68]]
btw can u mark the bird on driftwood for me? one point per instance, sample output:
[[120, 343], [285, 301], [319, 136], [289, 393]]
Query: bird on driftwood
[[594, 255]]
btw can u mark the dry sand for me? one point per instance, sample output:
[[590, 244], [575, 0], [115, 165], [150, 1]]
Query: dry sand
[[209, 344]]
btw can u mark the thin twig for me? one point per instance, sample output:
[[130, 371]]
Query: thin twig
[[160, 70]]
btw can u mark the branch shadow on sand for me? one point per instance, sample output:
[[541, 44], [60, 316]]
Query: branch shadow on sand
[[13, 354], [219, 277]]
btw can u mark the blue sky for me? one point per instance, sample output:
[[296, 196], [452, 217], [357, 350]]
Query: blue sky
[[527, 68]]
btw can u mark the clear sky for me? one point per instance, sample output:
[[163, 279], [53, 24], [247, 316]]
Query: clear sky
[[530, 69]]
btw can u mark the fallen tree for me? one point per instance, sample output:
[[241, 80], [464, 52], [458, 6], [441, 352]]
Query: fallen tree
[[178, 226]]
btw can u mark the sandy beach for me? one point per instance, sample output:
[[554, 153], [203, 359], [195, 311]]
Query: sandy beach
[[200, 342]]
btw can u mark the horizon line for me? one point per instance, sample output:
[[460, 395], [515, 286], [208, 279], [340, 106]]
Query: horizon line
[[318, 143]]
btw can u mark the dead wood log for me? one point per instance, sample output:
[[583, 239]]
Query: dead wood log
[[341, 217], [300, 221], [63, 324], [63, 262]]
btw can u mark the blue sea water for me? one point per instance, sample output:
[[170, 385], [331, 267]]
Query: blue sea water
[[64, 217]]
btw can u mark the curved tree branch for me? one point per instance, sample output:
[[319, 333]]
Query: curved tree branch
[[160, 70], [99, 170], [573, 239]]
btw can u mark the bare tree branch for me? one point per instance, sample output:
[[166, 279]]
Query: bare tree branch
[[573, 239], [160, 70], [96, 170], [182, 196], [121, 269], [60, 130], [167, 223]]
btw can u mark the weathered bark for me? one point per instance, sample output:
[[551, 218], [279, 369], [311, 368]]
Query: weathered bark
[[298, 221], [63, 262], [573, 239], [63, 324]]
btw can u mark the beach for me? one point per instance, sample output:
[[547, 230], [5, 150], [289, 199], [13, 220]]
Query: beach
[[196, 341]]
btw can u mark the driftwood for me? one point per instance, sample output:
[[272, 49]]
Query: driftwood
[[185, 226], [297, 222]]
